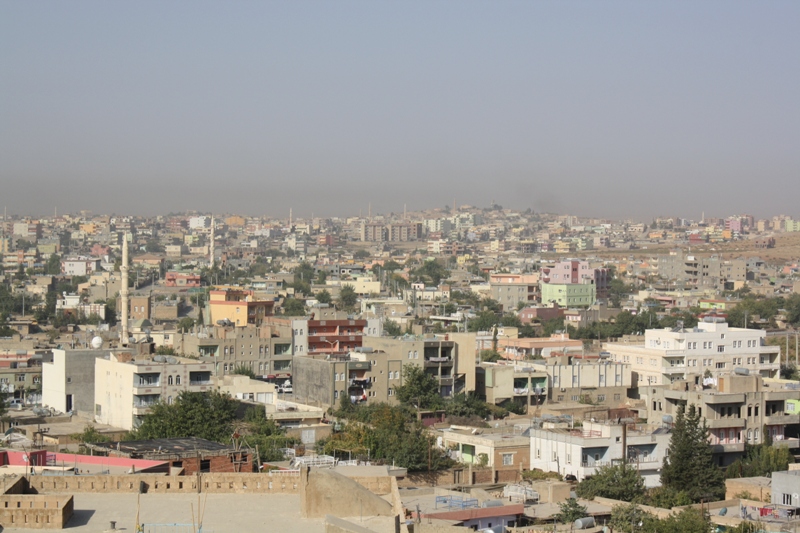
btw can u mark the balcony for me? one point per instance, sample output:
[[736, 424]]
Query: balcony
[[780, 419], [735, 447], [141, 410], [792, 443], [146, 388], [674, 369], [438, 361], [362, 383], [724, 423], [200, 383], [722, 398]]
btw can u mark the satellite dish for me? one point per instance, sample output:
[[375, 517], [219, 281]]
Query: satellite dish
[[97, 343]]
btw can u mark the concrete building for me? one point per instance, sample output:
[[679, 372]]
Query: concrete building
[[573, 272], [700, 272], [370, 373], [323, 336], [669, 355], [786, 488], [738, 409], [512, 289], [535, 347], [568, 294], [237, 307], [438, 357], [266, 350], [519, 382], [364, 375], [126, 387], [80, 266], [68, 380], [579, 452], [502, 451]]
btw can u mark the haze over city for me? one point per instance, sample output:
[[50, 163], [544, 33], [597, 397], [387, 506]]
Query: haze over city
[[614, 109]]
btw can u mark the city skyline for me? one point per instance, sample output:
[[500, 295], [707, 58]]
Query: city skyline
[[614, 110]]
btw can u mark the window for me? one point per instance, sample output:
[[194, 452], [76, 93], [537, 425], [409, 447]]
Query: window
[[20, 377], [508, 459], [576, 398], [169, 380], [720, 365], [720, 348], [177, 380], [336, 395], [601, 397], [787, 498], [616, 397]]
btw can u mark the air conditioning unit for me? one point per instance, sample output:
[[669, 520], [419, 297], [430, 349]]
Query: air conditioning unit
[[563, 389]]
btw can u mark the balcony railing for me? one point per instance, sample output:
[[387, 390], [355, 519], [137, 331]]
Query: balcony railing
[[200, 382]]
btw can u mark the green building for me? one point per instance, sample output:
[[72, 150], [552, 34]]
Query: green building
[[569, 294]]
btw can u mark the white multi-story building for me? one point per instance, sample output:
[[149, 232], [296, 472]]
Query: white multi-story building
[[126, 388], [581, 451], [668, 355]]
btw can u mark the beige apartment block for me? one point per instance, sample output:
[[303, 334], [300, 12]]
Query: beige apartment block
[[126, 387]]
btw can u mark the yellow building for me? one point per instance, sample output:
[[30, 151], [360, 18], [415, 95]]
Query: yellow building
[[235, 221], [239, 307]]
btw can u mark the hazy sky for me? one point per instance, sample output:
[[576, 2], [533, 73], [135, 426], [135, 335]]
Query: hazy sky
[[596, 108]]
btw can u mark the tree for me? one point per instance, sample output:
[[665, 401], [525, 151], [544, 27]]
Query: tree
[[243, 370], [570, 510], [689, 520], [294, 307], [89, 435], [165, 350], [193, 414], [620, 481], [760, 460], [361, 254], [263, 433], [53, 267], [348, 297], [324, 297], [629, 518], [419, 389], [431, 272], [185, 324], [689, 466], [392, 328]]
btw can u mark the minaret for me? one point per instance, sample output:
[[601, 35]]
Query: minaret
[[123, 293], [211, 259], [290, 219]]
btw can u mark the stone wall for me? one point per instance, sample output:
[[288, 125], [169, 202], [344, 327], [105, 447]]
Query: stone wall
[[273, 482], [35, 512], [325, 492]]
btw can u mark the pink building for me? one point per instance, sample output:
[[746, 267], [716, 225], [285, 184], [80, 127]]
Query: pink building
[[577, 272]]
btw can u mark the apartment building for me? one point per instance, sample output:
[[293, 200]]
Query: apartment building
[[518, 382], [125, 387], [266, 350], [568, 294], [80, 266], [363, 375], [512, 289], [556, 447], [591, 381], [21, 376], [237, 307], [68, 380], [511, 347], [506, 453], [403, 232], [370, 373], [669, 355], [437, 356], [577, 272], [701, 272], [318, 335], [739, 408]]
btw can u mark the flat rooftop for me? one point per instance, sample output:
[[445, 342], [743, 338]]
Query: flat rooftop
[[223, 513]]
